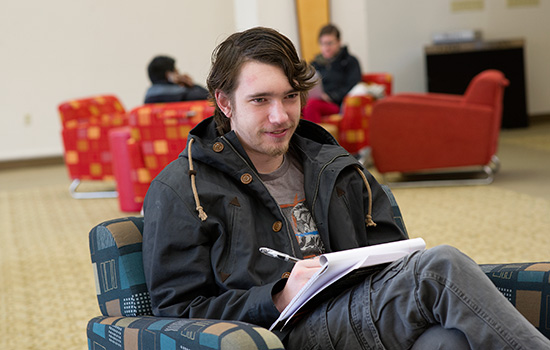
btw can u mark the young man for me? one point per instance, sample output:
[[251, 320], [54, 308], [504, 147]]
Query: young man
[[255, 175], [339, 71], [168, 85]]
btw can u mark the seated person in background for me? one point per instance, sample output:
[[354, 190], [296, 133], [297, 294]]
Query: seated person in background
[[169, 85], [339, 72], [257, 175]]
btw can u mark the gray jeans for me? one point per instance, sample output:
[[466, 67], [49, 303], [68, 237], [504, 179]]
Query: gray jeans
[[394, 307]]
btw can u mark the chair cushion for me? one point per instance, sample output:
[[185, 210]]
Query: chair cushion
[[115, 247]]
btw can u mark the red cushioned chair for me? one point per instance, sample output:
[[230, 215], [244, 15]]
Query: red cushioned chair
[[351, 127], [415, 134], [156, 135], [86, 123]]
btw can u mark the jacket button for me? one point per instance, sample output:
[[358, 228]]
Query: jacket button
[[285, 275], [246, 178], [218, 147], [277, 226]]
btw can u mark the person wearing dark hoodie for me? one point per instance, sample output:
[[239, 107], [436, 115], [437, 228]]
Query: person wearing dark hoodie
[[168, 85], [339, 72], [257, 175]]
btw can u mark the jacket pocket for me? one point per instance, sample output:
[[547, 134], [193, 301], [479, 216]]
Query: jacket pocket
[[229, 254], [342, 196]]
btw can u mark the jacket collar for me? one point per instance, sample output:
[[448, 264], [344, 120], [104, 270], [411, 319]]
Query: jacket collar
[[308, 136], [341, 55]]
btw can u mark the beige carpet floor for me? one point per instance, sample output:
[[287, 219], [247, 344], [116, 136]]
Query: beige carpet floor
[[47, 292], [490, 224]]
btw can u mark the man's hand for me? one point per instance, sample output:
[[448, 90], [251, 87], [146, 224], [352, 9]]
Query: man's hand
[[300, 275], [180, 79], [185, 80]]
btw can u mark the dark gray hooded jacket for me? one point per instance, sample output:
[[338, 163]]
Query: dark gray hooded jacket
[[204, 225]]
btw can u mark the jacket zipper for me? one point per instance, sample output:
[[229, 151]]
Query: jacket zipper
[[289, 235]]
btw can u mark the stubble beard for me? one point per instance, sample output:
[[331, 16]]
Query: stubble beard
[[279, 149]]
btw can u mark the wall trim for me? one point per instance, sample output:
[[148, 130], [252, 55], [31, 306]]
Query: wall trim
[[31, 162]]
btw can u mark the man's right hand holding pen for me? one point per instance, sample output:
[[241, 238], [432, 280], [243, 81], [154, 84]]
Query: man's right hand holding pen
[[299, 276]]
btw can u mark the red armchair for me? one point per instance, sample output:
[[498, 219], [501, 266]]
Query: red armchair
[[351, 127], [416, 133], [86, 124], [156, 135]]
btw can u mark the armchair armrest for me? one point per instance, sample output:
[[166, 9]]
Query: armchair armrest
[[435, 97], [525, 285], [145, 332], [381, 78]]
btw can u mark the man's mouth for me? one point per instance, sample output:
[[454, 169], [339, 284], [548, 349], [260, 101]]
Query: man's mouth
[[280, 132]]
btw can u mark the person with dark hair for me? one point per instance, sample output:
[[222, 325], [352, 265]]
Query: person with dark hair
[[168, 85], [258, 175], [339, 72]]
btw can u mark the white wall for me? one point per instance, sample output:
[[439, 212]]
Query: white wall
[[398, 30], [56, 50], [350, 16], [61, 49], [279, 15]]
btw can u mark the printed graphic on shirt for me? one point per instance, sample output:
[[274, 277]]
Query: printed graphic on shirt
[[304, 227]]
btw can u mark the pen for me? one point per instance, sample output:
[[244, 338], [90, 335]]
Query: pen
[[278, 255]]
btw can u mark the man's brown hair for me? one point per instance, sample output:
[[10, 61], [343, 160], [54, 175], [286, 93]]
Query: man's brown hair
[[260, 44], [329, 29]]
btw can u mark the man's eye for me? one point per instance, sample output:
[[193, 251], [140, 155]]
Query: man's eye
[[259, 100], [293, 95]]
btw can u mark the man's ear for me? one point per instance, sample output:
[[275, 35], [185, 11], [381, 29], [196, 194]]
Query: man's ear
[[224, 102]]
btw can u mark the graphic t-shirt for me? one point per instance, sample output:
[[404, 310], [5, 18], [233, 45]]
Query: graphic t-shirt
[[286, 185]]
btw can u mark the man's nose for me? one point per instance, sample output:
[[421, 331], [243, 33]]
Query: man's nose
[[278, 113]]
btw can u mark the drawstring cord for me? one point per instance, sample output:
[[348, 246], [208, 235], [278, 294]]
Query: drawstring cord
[[193, 175], [368, 220]]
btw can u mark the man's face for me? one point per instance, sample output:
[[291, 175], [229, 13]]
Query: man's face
[[330, 45], [264, 112]]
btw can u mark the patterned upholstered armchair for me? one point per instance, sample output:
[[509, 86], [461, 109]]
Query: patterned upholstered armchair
[[156, 135], [86, 124], [115, 247], [124, 301]]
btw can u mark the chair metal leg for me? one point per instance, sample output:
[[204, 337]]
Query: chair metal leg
[[483, 176], [89, 195], [495, 164]]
